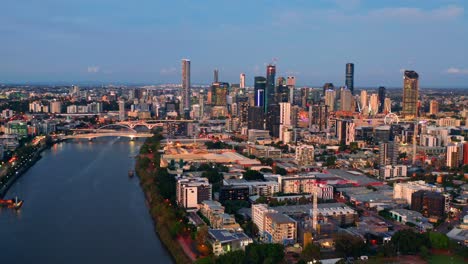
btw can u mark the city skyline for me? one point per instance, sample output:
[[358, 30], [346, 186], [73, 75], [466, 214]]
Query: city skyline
[[127, 43]]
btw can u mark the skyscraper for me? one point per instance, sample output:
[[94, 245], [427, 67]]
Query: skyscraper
[[121, 110], [270, 85], [381, 99], [185, 104], [346, 100], [364, 105], [374, 104], [387, 105], [433, 107], [350, 77], [259, 88], [216, 76], [242, 81], [219, 92], [410, 94]]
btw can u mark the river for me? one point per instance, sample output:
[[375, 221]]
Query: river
[[81, 207]]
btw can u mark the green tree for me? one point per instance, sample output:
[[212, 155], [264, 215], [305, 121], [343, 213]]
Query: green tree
[[311, 252], [348, 245], [407, 241], [251, 175], [331, 161], [438, 240]]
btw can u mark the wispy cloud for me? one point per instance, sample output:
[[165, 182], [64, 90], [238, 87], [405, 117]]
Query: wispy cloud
[[93, 69], [412, 13], [168, 71], [459, 71]]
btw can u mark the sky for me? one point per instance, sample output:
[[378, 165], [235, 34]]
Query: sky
[[143, 41]]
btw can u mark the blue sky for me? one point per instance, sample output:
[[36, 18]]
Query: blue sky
[[144, 40]]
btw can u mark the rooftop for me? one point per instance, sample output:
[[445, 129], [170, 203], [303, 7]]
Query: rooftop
[[225, 236]]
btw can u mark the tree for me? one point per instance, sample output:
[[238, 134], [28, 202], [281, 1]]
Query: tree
[[202, 235], [438, 240], [251, 175], [280, 171], [407, 241], [311, 252], [348, 245], [331, 161]]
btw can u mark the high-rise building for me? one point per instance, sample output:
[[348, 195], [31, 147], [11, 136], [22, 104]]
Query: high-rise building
[[185, 104], [256, 119], [291, 84], [121, 110], [291, 80], [330, 96], [242, 81], [346, 100], [453, 155], [387, 105], [270, 85], [433, 107], [363, 99], [243, 110], [428, 203], [192, 191], [56, 107], [465, 153], [350, 77], [381, 99], [285, 114], [410, 94], [374, 104], [219, 92], [328, 86], [260, 88], [388, 155], [305, 155], [216, 76]]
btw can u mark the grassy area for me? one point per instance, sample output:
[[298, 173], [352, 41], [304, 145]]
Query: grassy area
[[444, 259]]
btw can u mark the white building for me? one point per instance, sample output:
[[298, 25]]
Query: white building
[[258, 215], [192, 191], [72, 109], [404, 190], [393, 171]]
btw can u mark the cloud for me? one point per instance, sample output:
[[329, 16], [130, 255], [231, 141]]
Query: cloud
[[453, 70], [412, 13], [93, 69], [168, 71], [347, 4]]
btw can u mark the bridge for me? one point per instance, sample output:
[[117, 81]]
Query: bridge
[[150, 124], [91, 136], [107, 131]]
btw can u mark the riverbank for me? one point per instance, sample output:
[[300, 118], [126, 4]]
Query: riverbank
[[37, 156], [167, 220]]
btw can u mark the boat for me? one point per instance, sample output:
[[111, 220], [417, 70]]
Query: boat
[[131, 173], [12, 204]]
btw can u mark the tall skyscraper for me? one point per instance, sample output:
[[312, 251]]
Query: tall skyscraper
[[387, 105], [259, 88], [242, 81], [346, 100], [291, 80], [121, 110], [350, 77], [364, 105], [433, 107], [270, 85], [381, 99], [330, 96], [328, 86], [185, 104], [216, 76], [410, 94], [374, 104]]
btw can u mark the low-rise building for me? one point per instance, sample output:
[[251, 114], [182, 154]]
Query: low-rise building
[[407, 216], [224, 241]]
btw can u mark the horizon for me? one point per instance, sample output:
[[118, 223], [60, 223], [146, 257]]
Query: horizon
[[121, 42]]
